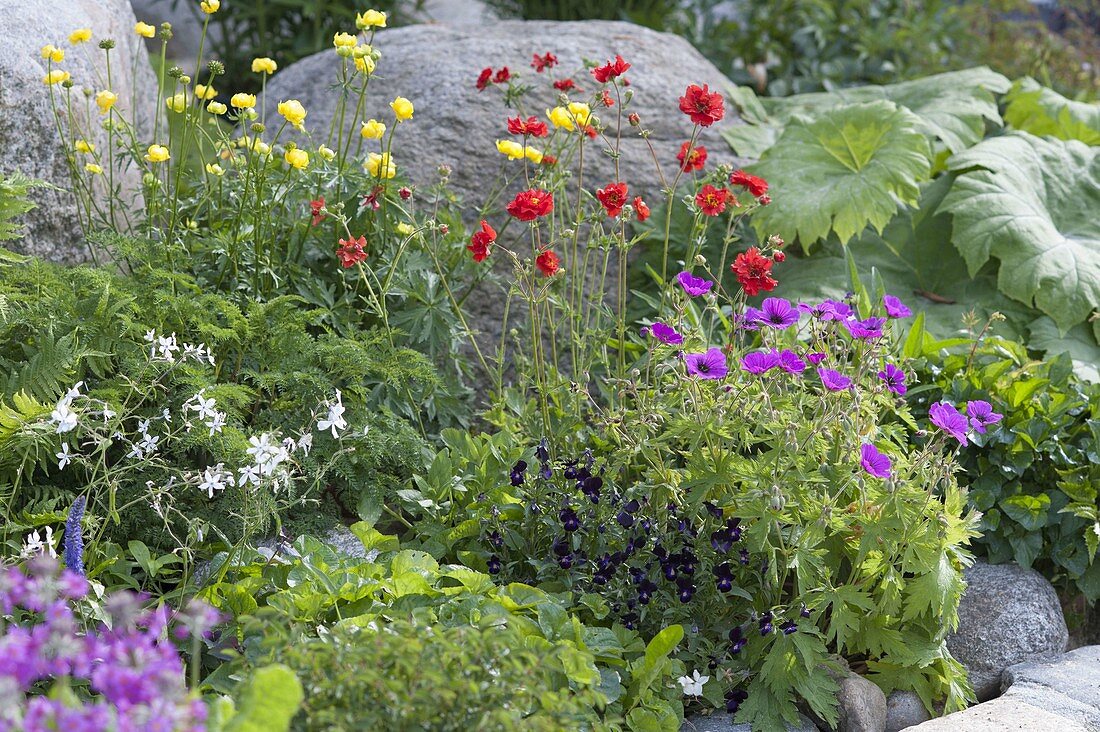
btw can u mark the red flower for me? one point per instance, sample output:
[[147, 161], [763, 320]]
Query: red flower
[[610, 70], [591, 131], [544, 62], [549, 160], [502, 76], [371, 199], [693, 160], [613, 198], [529, 205], [548, 263], [756, 186], [641, 210], [753, 272], [405, 192], [531, 126], [703, 106], [480, 241], [712, 201], [764, 200], [351, 251], [779, 256], [633, 119], [607, 100], [315, 210], [483, 78], [564, 85]]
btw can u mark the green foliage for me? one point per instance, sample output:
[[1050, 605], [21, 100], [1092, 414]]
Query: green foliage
[[266, 702], [1046, 113], [14, 189]]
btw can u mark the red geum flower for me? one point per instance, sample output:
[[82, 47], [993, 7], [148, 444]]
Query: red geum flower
[[613, 198], [564, 85], [641, 210], [712, 201], [529, 205], [591, 131], [530, 126], [538, 63], [548, 263], [693, 159], [756, 186], [549, 160], [351, 251], [481, 240], [753, 272], [633, 119], [502, 76], [610, 70], [702, 105], [607, 100], [483, 78], [315, 210], [779, 256], [371, 199], [405, 192], [764, 200]]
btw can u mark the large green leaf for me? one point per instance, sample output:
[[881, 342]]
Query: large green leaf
[[1078, 342], [1032, 204], [846, 169], [1045, 112]]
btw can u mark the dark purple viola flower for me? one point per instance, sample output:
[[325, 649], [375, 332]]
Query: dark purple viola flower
[[778, 313], [646, 588], [833, 380], [805, 611], [624, 519], [873, 461], [666, 334], [517, 473], [721, 541], [982, 415], [712, 509], [743, 556], [760, 362], [865, 330], [561, 546], [950, 420], [493, 565], [566, 562], [694, 286], [766, 627], [542, 452], [790, 362], [686, 590], [734, 699], [723, 575], [709, 365], [590, 487], [569, 519], [495, 538], [789, 627], [894, 378], [815, 358], [895, 308]]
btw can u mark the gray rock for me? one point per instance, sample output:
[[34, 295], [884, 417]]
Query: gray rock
[[186, 21], [1008, 615], [1002, 715], [455, 12], [344, 542], [722, 722], [1068, 686], [904, 709], [862, 705], [27, 127]]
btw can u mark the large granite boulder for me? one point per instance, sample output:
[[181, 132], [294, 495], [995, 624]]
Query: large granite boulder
[[1008, 615], [27, 129]]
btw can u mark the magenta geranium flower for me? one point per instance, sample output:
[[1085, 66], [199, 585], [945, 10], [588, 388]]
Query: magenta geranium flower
[[827, 310], [709, 365], [894, 378], [950, 420], [790, 362], [982, 415], [815, 358], [895, 308], [778, 313], [834, 380], [666, 334], [760, 362], [868, 329], [750, 319], [694, 286], [873, 461]]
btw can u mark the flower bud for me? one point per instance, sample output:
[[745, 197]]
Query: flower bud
[[175, 72], [216, 68], [107, 44], [257, 127], [634, 119], [165, 31]]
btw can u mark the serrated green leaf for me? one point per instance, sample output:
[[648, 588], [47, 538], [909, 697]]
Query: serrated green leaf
[[1044, 112], [1028, 511], [1079, 342], [268, 701]]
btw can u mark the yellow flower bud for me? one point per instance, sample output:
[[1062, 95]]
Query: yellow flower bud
[[80, 35], [177, 102], [297, 157], [105, 100], [373, 130], [380, 166], [210, 6], [157, 154], [511, 148], [344, 40], [144, 29], [204, 92], [293, 111], [257, 145], [534, 155], [240, 100], [264, 65], [326, 152], [83, 146], [93, 168], [560, 117], [215, 169], [53, 53], [370, 19], [405, 229], [216, 108], [402, 108], [56, 77]]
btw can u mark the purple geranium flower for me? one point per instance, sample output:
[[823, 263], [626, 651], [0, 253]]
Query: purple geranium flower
[[666, 334], [815, 358], [694, 286], [834, 380], [895, 308], [835, 310], [790, 362], [950, 420], [778, 313], [982, 415], [750, 319], [709, 365], [873, 461], [868, 329], [894, 378], [760, 362]]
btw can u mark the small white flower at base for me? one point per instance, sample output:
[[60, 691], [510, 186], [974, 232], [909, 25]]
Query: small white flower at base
[[693, 685], [34, 544], [64, 457], [63, 417], [335, 419]]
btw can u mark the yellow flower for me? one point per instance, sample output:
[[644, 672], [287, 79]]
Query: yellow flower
[[56, 77], [326, 152], [297, 157], [83, 146], [560, 117], [402, 108], [157, 154], [204, 92], [344, 40], [105, 100], [373, 130], [216, 108], [80, 35], [534, 155], [370, 19], [380, 166], [177, 102], [93, 168], [294, 112], [264, 65], [405, 229], [144, 29], [364, 64], [53, 53], [210, 6], [241, 100], [511, 148], [581, 112], [215, 169]]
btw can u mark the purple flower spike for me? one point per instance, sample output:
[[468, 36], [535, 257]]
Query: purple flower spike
[[982, 415], [790, 362], [694, 286], [709, 365], [666, 334], [894, 378], [895, 308], [950, 420], [868, 329], [873, 461], [815, 358], [778, 313], [760, 362], [834, 380]]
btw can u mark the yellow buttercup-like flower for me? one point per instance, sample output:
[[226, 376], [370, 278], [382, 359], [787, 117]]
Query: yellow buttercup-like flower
[[402, 108], [215, 169], [373, 130], [144, 29], [511, 148], [210, 6], [56, 77], [93, 168], [297, 157], [581, 111], [534, 155], [240, 100], [405, 229], [177, 102], [344, 40], [326, 152], [293, 111], [53, 53], [105, 100], [204, 92], [370, 19], [364, 64], [380, 166], [560, 117], [255, 144], [264, 65], [216, 108], [80, 35], [157, 154], [83, 146]]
